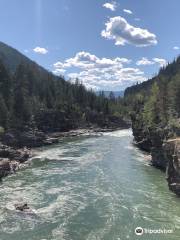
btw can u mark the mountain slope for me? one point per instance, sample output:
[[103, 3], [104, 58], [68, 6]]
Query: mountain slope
[[167, 72], [11, 58], [155, 114], [33, 98]]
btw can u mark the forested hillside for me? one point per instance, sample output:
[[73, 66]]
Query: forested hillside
[[33, 98], [155, 115], [11, 58], [157, 101]]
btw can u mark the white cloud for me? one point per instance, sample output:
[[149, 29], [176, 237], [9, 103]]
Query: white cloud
[[118, 29], [162, 62], [58, 65], [59, 71], [127, 11], [40, 50], [100, 73], [176, 48], [112, 6], [144, 61], [85, 60]]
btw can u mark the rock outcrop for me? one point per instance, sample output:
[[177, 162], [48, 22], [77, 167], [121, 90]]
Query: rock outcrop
[[19, 139], [159, 159], [141, 137], [164, 149], [20, 155], [172, 154], [11, 159], [165, 153]]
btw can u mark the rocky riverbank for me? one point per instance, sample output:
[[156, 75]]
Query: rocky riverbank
[[16, 147], [12, 159], [164, 149]]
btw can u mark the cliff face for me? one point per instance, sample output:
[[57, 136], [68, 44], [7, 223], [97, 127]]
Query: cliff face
[[172, 153], [165, 153], [141, 136]]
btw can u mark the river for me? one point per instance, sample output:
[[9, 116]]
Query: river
[[89, 188]]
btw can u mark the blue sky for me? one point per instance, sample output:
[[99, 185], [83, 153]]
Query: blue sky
[[109, 45]]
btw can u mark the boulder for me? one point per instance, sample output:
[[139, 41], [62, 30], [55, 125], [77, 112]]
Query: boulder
[[21, 207], [5, 167], [20, 155]]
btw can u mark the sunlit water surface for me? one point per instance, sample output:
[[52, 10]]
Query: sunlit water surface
[[89, 188]]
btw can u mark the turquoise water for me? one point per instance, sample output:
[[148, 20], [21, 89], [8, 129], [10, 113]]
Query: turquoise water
[[89, 188]]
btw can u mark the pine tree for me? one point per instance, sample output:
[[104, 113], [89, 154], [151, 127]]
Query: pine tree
[[5, 85], [3, 113], [151, 112], [21, 108]]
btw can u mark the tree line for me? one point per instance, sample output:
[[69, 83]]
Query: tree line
[[32, 98], [156, 103]]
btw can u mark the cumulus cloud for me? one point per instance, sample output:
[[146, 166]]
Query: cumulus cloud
[[85, 60], [162, 62], [40, 50], [59, 71], [119, 30], [144, 61], [176, 48], [127, 11], [112, 6], [100, 73]]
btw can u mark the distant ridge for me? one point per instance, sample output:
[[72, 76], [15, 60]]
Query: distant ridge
[[116, 93]]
